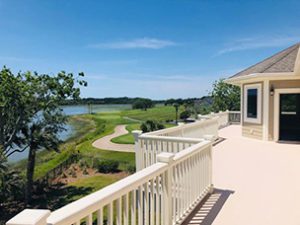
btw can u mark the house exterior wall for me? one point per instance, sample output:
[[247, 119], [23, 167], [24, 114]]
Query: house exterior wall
[[278, 85], [252, 130]]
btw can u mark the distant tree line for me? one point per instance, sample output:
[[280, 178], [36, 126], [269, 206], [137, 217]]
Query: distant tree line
[[128, 100], [143, 103], [109, 100]]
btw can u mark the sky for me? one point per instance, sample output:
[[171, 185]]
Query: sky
[[145, 48]]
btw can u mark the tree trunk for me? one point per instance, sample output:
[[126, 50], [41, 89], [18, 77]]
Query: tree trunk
[[29, 175]]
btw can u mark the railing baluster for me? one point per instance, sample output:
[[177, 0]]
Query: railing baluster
[[89, 219], [125, 209], [100, 216], [140, 205], [110, 214], [152, 212], [157, 201], [146, 204], [133, 207], [119, 210]]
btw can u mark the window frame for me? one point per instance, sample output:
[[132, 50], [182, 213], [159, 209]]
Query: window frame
[[247, 119]]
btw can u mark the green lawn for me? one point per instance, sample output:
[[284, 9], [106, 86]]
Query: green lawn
[[94, 183], [127, 138], [159, 113]]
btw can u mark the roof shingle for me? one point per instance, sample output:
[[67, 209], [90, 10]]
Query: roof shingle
[[283, 61]]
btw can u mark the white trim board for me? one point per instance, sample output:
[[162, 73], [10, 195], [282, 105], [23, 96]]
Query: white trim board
[[257, 86], [277, 105]]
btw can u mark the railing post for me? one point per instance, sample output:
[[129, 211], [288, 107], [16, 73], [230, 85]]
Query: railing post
[[227, 122], [211, 188], [166, 157], [138, 156], [30, 217]]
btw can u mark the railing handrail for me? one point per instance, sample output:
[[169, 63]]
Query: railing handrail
[[190, 151], [78, 209], [182, 127], [235, 112], [170, 138]]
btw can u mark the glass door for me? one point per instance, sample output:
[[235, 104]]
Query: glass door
[[289, 125]]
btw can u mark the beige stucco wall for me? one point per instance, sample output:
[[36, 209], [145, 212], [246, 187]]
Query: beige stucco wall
[[252, 130], [278, 85]]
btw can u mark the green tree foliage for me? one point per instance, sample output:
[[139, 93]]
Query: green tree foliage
[[29, 105], [151, 125], [11, 183], [225, 96], [143, 103]]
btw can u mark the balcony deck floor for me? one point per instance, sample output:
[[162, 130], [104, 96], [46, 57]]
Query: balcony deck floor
[[260, 181]]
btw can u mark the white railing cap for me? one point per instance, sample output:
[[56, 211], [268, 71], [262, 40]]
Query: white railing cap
[[165, 157], [30, 217], [171, 138]]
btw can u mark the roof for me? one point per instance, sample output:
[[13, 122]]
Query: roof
[[283, 61]]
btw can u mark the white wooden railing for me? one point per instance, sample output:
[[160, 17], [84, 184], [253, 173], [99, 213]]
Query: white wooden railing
[[234, 117], [224, 118], [161, 194], [197, 129], [149, 146]]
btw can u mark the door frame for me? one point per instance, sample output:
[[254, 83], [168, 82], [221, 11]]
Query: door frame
[[277, 107]]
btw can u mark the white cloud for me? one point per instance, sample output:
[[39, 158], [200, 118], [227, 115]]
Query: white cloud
[[146, 43], [259, 42], [17, 59]]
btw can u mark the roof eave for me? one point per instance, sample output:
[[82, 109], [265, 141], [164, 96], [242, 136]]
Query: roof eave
[[262, 76]]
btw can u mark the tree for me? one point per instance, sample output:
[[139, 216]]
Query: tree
[[14, 100], [143, 103], [37, 117], [225, 96]]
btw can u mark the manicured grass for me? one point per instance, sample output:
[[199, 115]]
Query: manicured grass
[[127, 138], [159, 113], [105, 124], [94, 183]]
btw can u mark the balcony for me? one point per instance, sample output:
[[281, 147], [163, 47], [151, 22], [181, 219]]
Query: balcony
[[255, 182]]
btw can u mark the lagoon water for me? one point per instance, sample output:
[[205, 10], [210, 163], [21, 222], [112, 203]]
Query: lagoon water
[[76, 110]]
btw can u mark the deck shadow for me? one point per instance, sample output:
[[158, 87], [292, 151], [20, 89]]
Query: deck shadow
[[207, 210]]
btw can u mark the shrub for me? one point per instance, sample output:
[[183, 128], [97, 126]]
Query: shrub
[[130, 168], [151, 125], [185, 114], [107, 166]]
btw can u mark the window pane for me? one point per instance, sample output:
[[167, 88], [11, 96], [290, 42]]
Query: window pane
[[252, 103]]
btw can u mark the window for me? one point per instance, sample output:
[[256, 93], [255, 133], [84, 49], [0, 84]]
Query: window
[[252, 106], [252, 103]]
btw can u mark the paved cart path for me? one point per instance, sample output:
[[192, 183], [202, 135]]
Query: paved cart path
[[105, 143]]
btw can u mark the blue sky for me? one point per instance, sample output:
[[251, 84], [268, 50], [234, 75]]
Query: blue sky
[[148, 48]]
